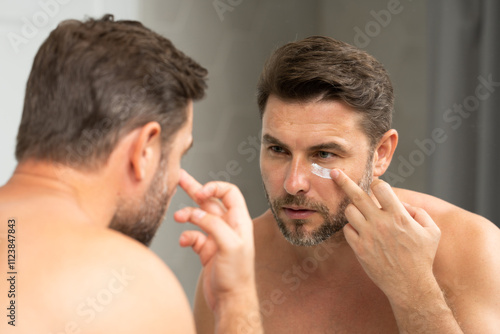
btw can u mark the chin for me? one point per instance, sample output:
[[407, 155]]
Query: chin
[[312, 231]]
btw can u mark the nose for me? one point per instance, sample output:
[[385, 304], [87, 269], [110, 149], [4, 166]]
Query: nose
[[297, 178]]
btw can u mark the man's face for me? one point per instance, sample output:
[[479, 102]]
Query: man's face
[[140, 219], [309, 209]]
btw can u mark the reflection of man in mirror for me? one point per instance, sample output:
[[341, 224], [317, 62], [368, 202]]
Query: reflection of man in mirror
[[340, 251], [108, 115]]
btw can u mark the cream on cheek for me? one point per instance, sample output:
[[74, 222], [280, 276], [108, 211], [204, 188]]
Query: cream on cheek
[[320, 171]]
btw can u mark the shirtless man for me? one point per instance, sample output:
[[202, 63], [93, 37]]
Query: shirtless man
[[340, 251], [107, 118]]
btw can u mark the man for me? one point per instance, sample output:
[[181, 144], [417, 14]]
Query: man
[[342, 252], [107, 118]]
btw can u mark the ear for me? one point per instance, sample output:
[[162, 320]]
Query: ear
[[384, 151], [145, 151]]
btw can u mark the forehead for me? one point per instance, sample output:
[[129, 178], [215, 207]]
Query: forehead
[[312, 122]]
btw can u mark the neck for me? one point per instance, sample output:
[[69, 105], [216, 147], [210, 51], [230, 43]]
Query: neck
[[331, 256], [73, 190]]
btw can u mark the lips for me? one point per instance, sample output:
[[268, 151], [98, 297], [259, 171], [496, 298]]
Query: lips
[[298, 212]]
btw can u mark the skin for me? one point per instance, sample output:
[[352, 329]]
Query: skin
[[405, 263], [75, 275]]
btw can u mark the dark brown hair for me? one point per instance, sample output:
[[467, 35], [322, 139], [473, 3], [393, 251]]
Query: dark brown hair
[[94, 81], [326, 69]]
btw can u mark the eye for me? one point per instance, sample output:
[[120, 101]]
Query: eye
[[326, 155], [277, 149]]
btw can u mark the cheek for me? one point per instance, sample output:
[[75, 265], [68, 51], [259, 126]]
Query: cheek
[[171, 183], [325, 188], [172, 176], [357, 171], [272, 177]]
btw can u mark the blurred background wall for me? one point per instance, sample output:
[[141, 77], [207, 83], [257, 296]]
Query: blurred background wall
[[232, 39]]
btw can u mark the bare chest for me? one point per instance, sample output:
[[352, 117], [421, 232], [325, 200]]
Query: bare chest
[[299, 304]]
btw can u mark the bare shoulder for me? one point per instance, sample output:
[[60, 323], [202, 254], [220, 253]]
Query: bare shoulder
[[449, 217], [97, 280], [462, 232], [152, 298]]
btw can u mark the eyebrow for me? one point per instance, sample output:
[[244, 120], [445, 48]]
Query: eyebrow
[[271, 140], [329, 146], [323, 146]]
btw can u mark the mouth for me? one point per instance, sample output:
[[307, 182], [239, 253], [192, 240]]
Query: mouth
[[298, 212]]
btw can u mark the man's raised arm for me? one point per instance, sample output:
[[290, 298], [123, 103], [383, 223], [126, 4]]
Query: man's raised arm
[[226, 253]]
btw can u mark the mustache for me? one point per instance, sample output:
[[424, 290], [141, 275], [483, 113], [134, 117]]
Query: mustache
[[301, 201]]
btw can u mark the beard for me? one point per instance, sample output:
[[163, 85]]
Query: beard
[[295, 233], [141, 224]]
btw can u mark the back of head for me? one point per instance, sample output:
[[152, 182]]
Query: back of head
[[94, 81], [323, 69]]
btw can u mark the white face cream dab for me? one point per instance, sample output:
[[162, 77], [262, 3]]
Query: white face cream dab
[[320, 171]]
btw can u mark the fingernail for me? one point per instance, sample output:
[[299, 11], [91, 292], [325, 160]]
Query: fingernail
[[335, 173], [199, 214]]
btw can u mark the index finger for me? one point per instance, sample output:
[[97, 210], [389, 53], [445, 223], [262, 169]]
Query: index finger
[[357, 195], [189, 184], [192, 187]]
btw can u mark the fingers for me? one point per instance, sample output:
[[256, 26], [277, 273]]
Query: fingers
[[351, 235], [386, 196], [355, 217], [382, 191], [193, 239], [412, 210], [199, 242], [211, 224], [231, 198], [357, 195], [189, 184], [220, 199], [192, 187], [420, 216]]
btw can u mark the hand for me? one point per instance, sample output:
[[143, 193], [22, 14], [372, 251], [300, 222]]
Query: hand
[[227, 250], [395, 244]]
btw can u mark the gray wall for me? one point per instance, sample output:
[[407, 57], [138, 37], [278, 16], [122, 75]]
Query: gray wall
[[233, 47]]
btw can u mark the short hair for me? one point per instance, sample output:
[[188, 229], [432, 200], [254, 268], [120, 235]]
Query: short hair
[[93, 82], [326, 69]]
